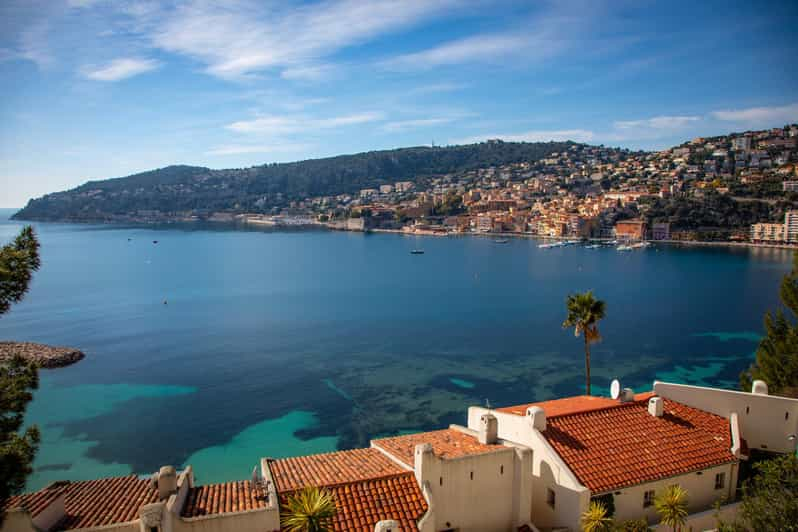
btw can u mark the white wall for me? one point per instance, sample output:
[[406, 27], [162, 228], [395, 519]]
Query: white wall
[[707, 520], [251, 521], [766, 421], [548, 471], [701, 493]]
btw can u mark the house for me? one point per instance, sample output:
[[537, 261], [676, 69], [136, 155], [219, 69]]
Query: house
[[525, 467], [630, 230], [661, 231]]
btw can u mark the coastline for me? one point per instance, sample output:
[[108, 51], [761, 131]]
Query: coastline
[[44, 356]]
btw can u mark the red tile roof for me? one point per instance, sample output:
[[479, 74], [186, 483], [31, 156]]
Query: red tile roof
[[623, 445], [34, 503], [570, 405], [361, 505], [223, 498], [331, 468], [446, 443], [91, 503]]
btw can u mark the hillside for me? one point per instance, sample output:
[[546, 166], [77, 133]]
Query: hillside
[[267, 188]]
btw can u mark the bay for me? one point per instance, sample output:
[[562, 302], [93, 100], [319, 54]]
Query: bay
[[217, 346]]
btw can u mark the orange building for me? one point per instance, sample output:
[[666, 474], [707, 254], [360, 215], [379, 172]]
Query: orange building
[[630, 230]]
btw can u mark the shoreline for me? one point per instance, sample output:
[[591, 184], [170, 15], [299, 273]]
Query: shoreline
[[44, 356]]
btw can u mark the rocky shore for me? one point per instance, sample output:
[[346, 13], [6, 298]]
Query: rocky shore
[[45, 356]]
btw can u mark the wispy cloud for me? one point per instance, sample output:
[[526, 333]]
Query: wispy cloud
[[577, 135], [281, 125], [243, 149], [240, 39], [121, 68], [760, 115], [309, 73], [405, 125], [435, 88], [658, 122]]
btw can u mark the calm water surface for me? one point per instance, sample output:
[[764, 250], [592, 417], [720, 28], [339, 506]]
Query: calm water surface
[[283, 343]]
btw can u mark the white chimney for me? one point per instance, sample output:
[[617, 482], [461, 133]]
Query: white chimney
[[488, 429], [167, 482], [388, 525], [655, 406], [537, 416], [627, 395], [759, 387]]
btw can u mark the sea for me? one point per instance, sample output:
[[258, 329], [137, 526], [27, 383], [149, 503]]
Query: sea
[[217, 345]]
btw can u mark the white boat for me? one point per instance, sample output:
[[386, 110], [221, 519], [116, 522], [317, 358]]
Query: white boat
[[593, 246], [624, 247]]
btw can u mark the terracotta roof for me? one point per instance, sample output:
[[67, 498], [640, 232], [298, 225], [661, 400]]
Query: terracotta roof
[[446, 443], [91, 503], [361, 505], [623, 445], [34, 503], [223, 498], [331, 468], [571, 405]]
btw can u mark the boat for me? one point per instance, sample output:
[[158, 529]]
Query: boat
[[416, 251], [500, 241], [553, 245], [154, 241], [624, 247], [593, 246]]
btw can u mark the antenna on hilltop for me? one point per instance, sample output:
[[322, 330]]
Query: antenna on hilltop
[[487, 403]]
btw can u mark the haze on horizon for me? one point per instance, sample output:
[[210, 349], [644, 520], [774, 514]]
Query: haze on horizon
[[99, 88]]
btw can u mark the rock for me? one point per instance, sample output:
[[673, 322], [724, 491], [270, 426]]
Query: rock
[[44, 356]]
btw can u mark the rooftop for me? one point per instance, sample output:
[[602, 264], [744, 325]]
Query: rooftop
[[623, 445], [92, 503], [362, 504], [446, 443], [570, 405], [329, 469], [228, 497]]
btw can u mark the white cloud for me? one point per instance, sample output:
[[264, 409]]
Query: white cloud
[[281, 125], [239, 39], [404, 125], [438, 87], [657, 122], [308, 73], [775, 115], [241, 149], [122, 68], [576, 135]]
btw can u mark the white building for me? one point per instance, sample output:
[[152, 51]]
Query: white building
[[791, 226], [741, 143], [527, 467]]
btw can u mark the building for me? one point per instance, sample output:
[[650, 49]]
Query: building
[[630, 230], [791, 227], [789, 186], [386, 189], [661, 231], [741, 143], [532, 466], [404, 186], [767, 233]]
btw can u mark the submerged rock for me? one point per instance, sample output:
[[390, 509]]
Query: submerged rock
[[45, 356]]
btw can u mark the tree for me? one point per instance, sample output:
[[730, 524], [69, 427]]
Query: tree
[[18, 378], [595, 518], [770, 498], [309, 510], [584, 313], [18, 261], [671, 505], [777, 355]]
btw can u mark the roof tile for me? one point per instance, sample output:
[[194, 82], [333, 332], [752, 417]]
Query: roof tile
[[227, 497], [446, 443]]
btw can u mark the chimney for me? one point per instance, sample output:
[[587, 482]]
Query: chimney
[[167, 482], [388, 525], [627, 395], [488, 429], [759, 387], [655, 406], [537, 416]]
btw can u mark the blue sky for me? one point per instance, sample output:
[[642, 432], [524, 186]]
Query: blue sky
[[104, 88]]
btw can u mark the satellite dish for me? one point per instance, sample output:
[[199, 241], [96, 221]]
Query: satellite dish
[[615, 389]]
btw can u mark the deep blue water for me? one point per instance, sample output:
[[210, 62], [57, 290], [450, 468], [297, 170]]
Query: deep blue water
[[280, 343]]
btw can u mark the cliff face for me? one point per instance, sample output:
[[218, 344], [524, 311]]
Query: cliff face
[[191, 189]]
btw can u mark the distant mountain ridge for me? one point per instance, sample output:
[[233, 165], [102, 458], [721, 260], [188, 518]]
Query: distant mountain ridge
[[261, 189]]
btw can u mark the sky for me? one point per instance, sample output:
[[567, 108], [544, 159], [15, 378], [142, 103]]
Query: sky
[[92, 89]]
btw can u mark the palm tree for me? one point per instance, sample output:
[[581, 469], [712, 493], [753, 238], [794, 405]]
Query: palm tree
[[584, 313], [595, 518], [671, 506], [309, 510]]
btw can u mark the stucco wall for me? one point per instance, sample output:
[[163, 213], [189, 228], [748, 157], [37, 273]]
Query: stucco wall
[[17, 520], [701, 491], [706, 520], [472, 493], [252, 521], [766, 421]]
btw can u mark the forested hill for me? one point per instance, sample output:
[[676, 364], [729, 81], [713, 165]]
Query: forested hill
[[262, 188]]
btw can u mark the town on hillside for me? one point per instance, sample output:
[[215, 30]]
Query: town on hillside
[[740, 187]]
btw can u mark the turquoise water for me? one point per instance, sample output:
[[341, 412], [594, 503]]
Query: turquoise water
[[282, 343]]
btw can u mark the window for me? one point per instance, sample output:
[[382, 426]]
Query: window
[[551, 497], [648, 498], [720, 481]]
